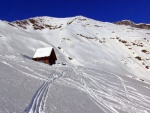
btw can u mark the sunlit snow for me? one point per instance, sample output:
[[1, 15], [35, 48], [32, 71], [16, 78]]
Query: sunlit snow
[[101, 67]]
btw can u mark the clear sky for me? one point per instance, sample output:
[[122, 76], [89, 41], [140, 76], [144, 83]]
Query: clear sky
[[103, 10]]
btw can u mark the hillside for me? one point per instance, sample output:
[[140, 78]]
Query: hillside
[[101, 67]]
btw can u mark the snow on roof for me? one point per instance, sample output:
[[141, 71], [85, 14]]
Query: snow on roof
[[43, 52]]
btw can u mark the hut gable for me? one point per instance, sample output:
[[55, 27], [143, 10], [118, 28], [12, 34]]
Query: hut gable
[[46, 55]]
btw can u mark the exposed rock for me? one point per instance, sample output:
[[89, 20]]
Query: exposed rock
[[22, 23], [132, 24], [125, 22], [37, 24], [139, 58]]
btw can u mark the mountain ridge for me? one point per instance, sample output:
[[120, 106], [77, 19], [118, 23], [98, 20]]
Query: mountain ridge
[[132, 24], [39, 19]]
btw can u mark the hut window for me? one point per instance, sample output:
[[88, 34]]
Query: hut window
[[42, 61]]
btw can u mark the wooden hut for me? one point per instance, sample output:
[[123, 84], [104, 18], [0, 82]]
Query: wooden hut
[[45, 55]]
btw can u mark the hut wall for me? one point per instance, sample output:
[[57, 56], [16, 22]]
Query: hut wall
[[46, 61]]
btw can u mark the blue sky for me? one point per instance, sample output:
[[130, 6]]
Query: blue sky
[[103, 10]]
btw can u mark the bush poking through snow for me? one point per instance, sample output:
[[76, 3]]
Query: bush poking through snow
[[139, 58], [59, 47], [138, 78], [144, 51], [147, 67], [70, 58]]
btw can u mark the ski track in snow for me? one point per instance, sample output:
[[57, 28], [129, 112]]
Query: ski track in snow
[[111, 97], [118, 98], [38, 102], [41, 78]]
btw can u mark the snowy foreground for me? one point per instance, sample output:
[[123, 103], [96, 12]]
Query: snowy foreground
[[101, 67], [28, 86]]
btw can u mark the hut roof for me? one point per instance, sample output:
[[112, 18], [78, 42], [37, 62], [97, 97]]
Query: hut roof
[[43, 52]]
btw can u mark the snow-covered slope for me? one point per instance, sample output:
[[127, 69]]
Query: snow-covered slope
[[101, 67]]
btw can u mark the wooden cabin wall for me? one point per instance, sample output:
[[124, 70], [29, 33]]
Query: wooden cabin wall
[[46, 61]]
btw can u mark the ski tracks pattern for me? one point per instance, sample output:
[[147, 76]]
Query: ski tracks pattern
[[38, 102], [111, 97]]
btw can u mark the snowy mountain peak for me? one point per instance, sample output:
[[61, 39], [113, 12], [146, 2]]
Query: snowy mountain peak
[[40, 23]]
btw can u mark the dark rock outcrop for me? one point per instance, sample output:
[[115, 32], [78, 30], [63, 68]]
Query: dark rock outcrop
[[37, 24], [132, 24]]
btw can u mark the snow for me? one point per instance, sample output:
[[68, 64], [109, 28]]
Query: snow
[[43, 52], [28, 86], [101, 76]]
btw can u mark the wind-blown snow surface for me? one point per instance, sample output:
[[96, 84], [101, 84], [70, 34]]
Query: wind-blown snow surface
[[105, 67]]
